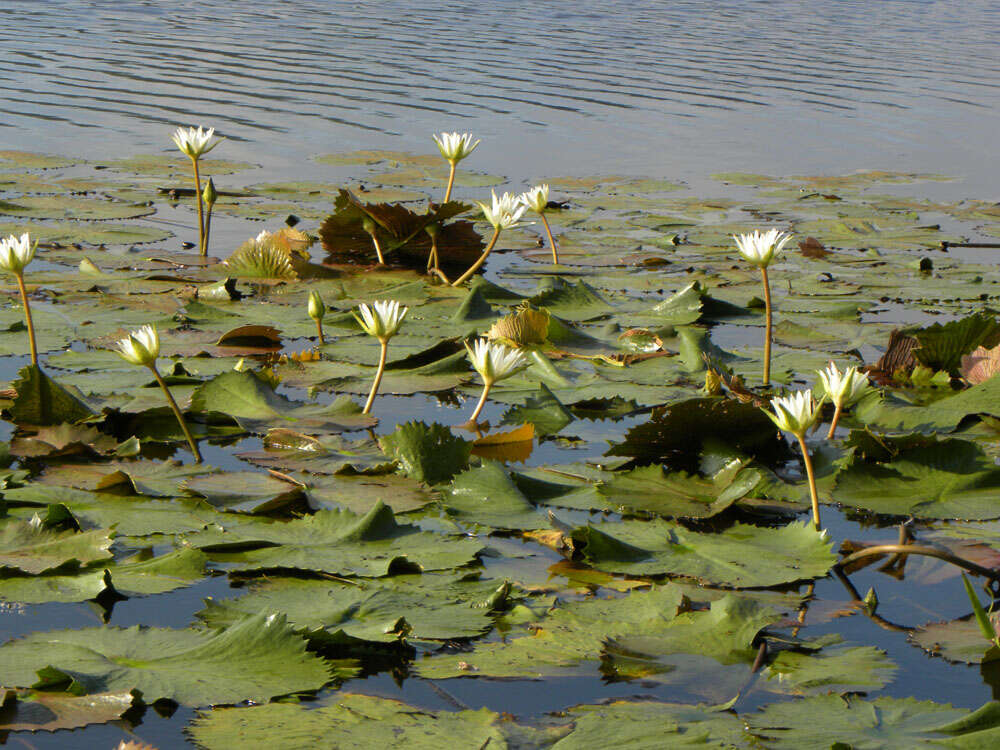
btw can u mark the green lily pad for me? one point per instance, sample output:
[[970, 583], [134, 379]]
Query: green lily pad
[[708, 651], [949, 479], [646, 725], [742, 556], [140, 575], [571, 636], [337, 542], [836, 670], [383, 611], [30, 547], [430, 454], [355, 720], [487, 495], [956, 640], [43, 711], [256, 659], [70, 233], [890, 723], [67, 207], [678, 494]]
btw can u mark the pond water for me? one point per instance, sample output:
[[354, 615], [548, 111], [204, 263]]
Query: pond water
[[675, 91], [678, 89]]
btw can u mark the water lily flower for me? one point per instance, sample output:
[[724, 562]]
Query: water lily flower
[[796, 414], [760, 249], [16, 253], [142, 347], [454, 147], [537, 199], [316, 311], [504, 212], [843, 389], [494, 362], [196, 143], [381, 320]]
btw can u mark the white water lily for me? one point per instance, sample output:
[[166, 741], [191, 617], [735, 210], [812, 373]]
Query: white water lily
[[141, 347], [795, 413], [455, 146], [760, 248], [494, 361], [537, 199], [381, 319], [194, 143], [843, 388], [16, 252], [504, 212]]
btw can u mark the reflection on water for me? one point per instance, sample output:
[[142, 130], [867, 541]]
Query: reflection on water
[[683, 88]]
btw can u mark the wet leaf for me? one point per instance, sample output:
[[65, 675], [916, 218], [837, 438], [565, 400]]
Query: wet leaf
[[255, 659], [742, 556], [430, 454]]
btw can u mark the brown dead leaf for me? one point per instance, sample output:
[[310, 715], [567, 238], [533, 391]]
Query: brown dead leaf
[[810, 247]]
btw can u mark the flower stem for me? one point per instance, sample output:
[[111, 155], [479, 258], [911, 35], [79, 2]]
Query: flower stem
[[833, 422], [378, 378], [919, 549], [767, 328], [27, 319], [378, 249], [451, 182], [482, 259], [201, 216], [552, 242], [319, 330], [208, 227], [812, 480], [481, 404], [177, 413], [432, 257]]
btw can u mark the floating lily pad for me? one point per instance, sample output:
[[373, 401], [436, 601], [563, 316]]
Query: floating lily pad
[[64, 207], [352, 719], [337, 542], [741, 556], [256, 659], [890, 723], [950, 479]]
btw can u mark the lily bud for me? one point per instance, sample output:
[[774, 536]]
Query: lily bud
[[316, 307], [209, 194]]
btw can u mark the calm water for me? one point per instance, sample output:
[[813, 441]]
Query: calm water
[[679, 89]]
